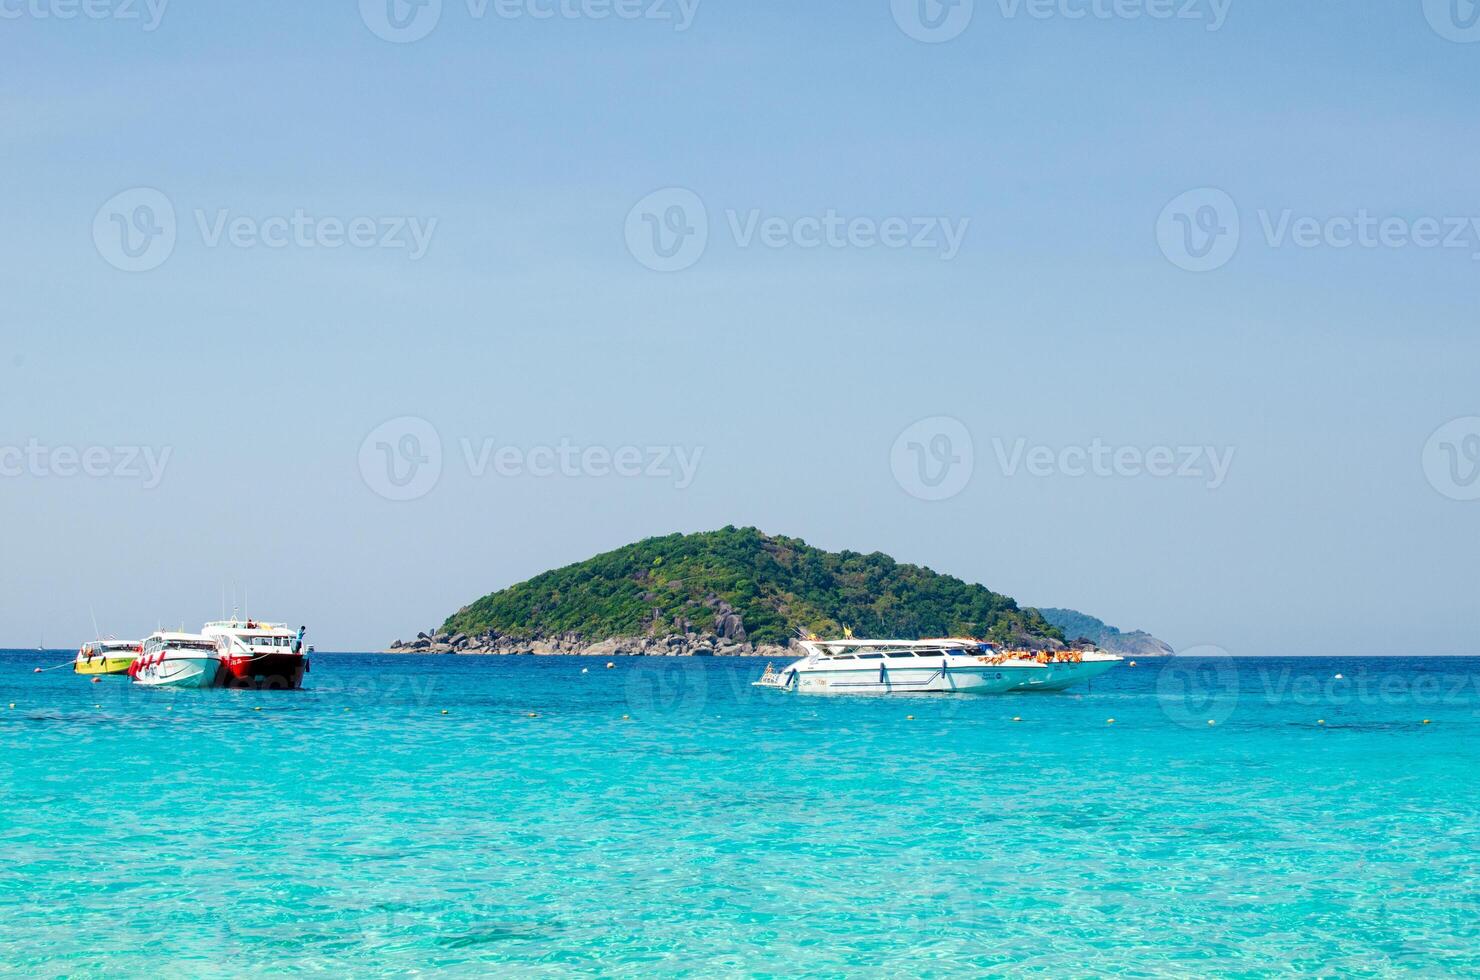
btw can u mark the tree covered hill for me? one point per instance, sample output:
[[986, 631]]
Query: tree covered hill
[[749, 587]]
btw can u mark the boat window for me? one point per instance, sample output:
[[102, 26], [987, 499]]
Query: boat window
[[894, 654], [843, 656], [870, 656]]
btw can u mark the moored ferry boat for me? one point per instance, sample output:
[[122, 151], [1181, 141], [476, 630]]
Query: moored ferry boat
[[258, 654], [932, 666], [177, 660], [106, 657]]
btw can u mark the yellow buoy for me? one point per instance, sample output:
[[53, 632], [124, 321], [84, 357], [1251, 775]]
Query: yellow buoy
[[909, 717], [626, 717], [1425, 721], [532, 714], [444, 711], [1016, 718], [1320, 721], [257, 709], [1109, 721], [12, 706], [1133, 663], [609, 665], [1212, 722], [585, 670]]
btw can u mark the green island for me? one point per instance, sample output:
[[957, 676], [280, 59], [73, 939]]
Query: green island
[[734, 591]]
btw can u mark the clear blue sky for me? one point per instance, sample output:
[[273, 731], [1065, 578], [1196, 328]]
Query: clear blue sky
[[529, 319]]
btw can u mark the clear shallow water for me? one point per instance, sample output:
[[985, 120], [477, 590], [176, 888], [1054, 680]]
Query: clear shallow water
[[727, 830]]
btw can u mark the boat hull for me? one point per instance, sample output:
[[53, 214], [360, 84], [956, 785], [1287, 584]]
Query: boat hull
[[103, 665], [181, 672], [933, 679], [273, 671]]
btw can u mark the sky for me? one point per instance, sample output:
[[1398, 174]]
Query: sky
[[1165, 312]]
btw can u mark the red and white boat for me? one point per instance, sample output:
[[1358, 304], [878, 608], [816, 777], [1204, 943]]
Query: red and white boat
[[258, 654], [177, 660]]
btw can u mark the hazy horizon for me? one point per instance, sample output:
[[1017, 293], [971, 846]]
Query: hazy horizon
[[371, 310]]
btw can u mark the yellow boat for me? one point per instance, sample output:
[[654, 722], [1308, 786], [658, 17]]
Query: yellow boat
[[105, 657]]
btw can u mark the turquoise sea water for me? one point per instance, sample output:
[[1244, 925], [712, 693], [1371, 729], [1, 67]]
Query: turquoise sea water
[[723, 830]]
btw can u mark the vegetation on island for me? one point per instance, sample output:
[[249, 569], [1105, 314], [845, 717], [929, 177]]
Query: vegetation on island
[[775, 585]]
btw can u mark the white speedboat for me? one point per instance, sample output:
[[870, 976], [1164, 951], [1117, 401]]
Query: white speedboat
[[259, 654], [178, 660], [932, 666]]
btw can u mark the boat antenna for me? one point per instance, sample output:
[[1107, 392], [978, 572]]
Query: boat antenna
[[97, 633]]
